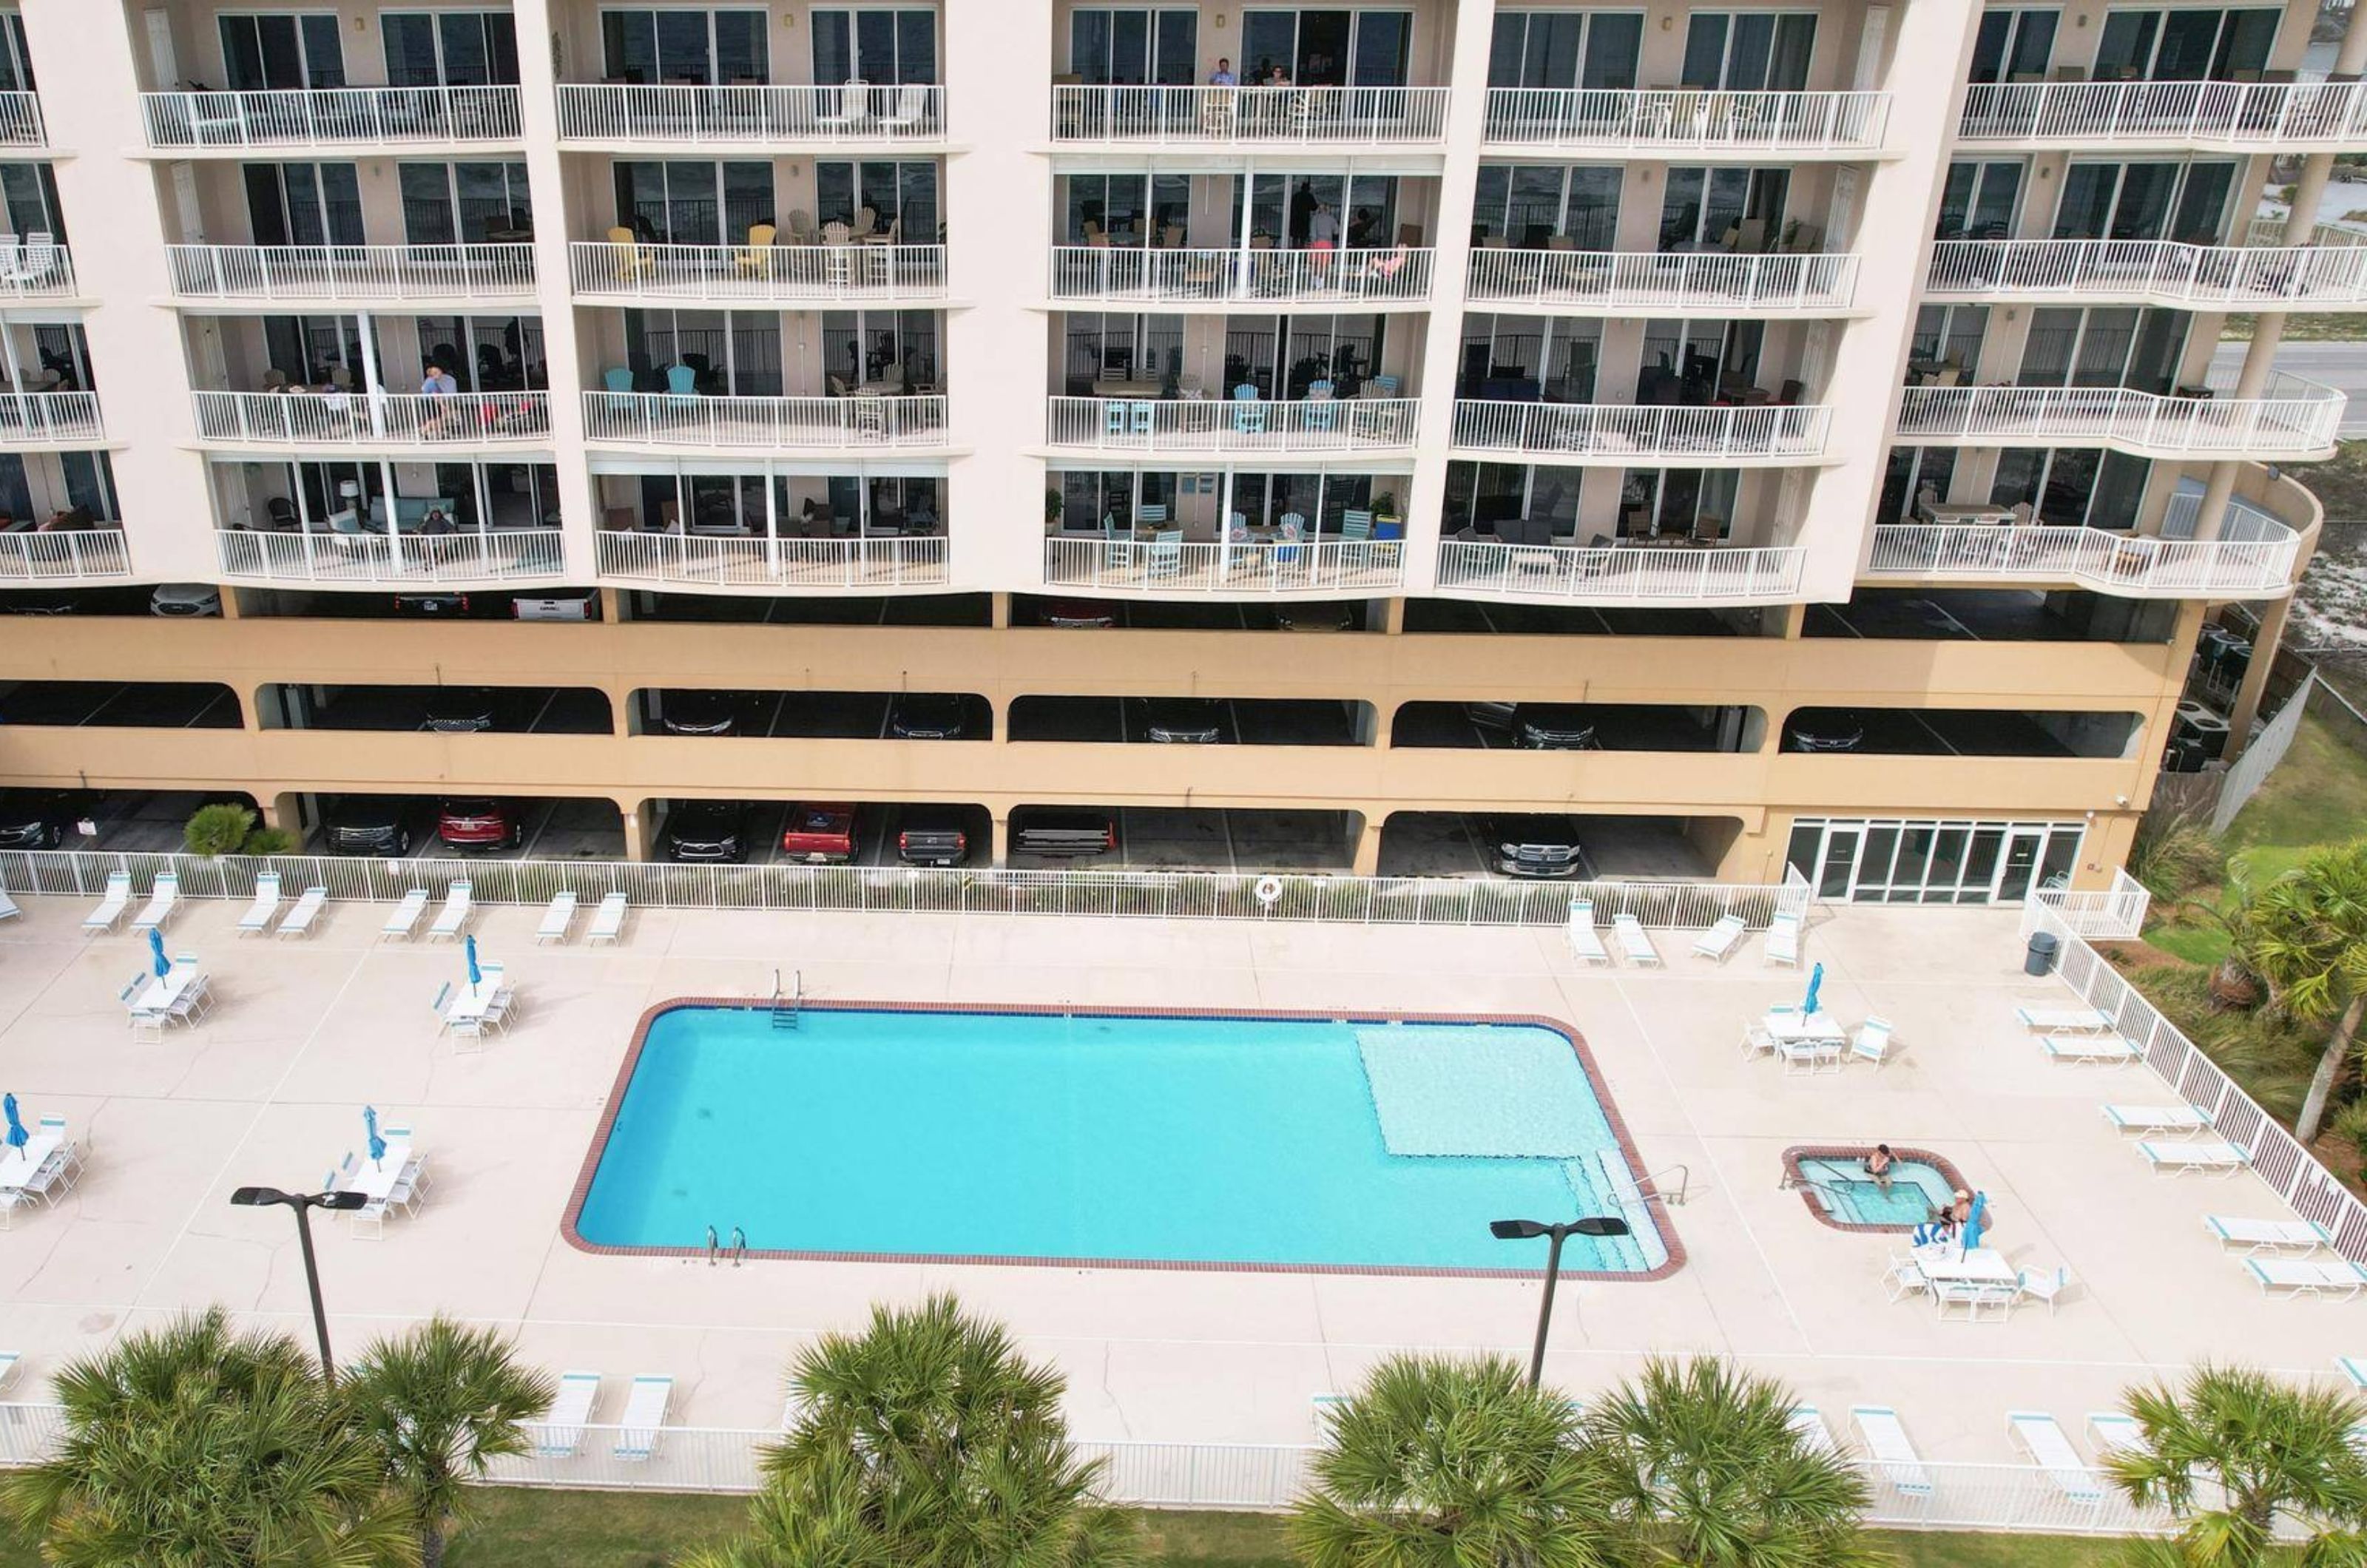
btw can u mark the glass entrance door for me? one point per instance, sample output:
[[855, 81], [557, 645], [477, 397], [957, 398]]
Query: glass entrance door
[[1895, 861]]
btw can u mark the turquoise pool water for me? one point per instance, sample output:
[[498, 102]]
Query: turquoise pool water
[[1917, 1187], [1031, 1135]]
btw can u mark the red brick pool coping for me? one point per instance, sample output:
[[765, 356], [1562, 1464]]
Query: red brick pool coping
[[1654, 1212], [1791, 1175]]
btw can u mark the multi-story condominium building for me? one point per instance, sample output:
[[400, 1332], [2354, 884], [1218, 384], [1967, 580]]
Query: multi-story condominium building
[[1753, 432]]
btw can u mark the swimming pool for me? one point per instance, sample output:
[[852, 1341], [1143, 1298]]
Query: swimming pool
[[1217, 1141], [1838, 1191]]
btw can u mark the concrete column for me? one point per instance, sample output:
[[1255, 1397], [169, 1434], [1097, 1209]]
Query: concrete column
[[637, 829], [997, 842], [999, 614], [1367, 859], [2247, 706], [554, 225]]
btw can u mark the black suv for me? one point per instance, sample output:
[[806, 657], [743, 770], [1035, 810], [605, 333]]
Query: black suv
[[1535, 846], [1184, 721], [706, 830], [369, 825], [1826, 729], [37, 819], [698, 713], [926, 715], [458, 710], [1552, 727]]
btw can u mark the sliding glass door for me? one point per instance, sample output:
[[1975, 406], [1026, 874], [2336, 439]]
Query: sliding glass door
[[1915, 862]]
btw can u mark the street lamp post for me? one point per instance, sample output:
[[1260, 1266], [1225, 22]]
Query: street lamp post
[[303, 1203], [1529, 1230]]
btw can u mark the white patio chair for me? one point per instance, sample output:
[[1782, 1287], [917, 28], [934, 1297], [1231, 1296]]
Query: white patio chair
[[644, 1417], [1872, 1040], [2157, 1118], [2113, 1433], [607, 921], [2214, 1156], [2036, 1435], [266, 904], [404, 918], [561, 1431], [1718, 942], [2336, 1278], [454, 915], [162, 895], [306, 910], [1586, 941], [2091, 1050], [1634, 943], [2298, 1238], [112, 903], [8, 910], [1784, 940], [2040, 1285], [2062, 1020], [556, 919], [1886, 1442], [1757, 1040]]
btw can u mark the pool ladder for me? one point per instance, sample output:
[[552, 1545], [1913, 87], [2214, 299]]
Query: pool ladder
[[1659, 1194], [715, 1248], [787, 1009]]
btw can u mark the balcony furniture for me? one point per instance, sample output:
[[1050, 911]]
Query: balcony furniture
[[910, 111], [854, 106], [1944, 512]]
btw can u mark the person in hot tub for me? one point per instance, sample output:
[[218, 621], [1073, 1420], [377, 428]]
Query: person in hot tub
[[1878, 1166]]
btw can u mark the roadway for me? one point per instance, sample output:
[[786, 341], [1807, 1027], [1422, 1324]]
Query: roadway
[[2342, 366]]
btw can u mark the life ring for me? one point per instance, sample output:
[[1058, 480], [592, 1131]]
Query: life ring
[[1269, 891]]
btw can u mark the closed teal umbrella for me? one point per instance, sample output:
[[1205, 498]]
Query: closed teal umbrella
[[18, 1136], [156, 953], [370, 1125]]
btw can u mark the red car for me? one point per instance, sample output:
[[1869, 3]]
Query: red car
[[820, 832], [477, 823]]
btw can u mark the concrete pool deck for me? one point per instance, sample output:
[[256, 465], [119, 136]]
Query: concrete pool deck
[[269, 1089]]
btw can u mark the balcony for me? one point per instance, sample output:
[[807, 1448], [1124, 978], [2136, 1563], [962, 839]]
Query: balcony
[[64, 555], [39, 269], [350, 420], [1328, 567], [444, 559], [1129, 275], [49, 419], [2244, 116], [2297, 419], [1611, 281], [735, 274], [363, 274], [848, 566], [2151, 272], [346, 118], [1201, 427], [750, 115], [1687, 120], [1626, 573], [1619, 433], [667, 419], [2250, 562], [1249, 117], [20, 120]]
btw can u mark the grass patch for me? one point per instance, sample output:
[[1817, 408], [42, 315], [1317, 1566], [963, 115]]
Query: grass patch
[[521, 1527], [1216, 1541], [2341, 482], [2304, 326], [2317, 796]]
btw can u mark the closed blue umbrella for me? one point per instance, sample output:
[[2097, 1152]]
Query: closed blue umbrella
[[1816, 984], [370, 1124], [156, 953], [1973, 1221], [476, 976], [18, 1136]]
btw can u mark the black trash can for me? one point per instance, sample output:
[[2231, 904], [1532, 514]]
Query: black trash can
[[2040, 959]]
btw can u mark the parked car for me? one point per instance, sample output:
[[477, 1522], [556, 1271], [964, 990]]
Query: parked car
[[692, 712], [1552, 727], [706, 830], [1315, 617], [39, 604], [926, 715], [458, 710], [368, 824], [38, 819], [1184, 721], [1826, 729], [442, 605], [932, 836], [185, 599], [1075, 834], [1072, 613], [820, 833], [478, 822], [1535, 846]]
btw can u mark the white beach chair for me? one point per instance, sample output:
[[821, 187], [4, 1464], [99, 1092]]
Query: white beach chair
[[266, 904], [112, 903], [8, 910], [404, 918], [2296, 1238], [2062, 1020], [1885, 1438], [1872, 1042], [1585, 942], [645, 1414], [2354, 1368], [163, 894], [455, 912], [556, 919], [306, 910], [1633, 943], [607, 921], [561, 1431], [1784, 940], [1718, 942], [2044, 1285], [1814, 1436], [2214, 1156], [1323, 1409], [2035, 1433], [2336, 1278], [2113, 1433], [1809, 1056], [2090, 1050], [8, 1363], [2157, 1118]]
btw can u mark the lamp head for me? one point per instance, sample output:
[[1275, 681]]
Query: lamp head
[[1599, 1224], [352, 1200], [1515, 1229], [256, 1196]]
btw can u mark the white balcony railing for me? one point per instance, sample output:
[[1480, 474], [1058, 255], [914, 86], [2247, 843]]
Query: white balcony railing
[[2266, 114], [453, 559], [48, 418], [377, 419], [1269, 116], [2126, 565], [40, 269], [675, 419], [1131, 275], [735, 273], [2295, 418], [1207, 426], [1621, 280], [425, 272], [296, 117], [867, 566], [742, 116], [1607, 430], [20, 120], [64, 554], [1328, 565], [1623, 574], [1688, 116], [2152, 270]]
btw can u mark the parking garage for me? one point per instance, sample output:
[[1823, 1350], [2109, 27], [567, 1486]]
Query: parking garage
[[145, 704], [813, 715], [1574, 847], [1194, 615], [1993, 615], [811, 610], [1452, 616], [120, 821], [1225, 721], [1182, 839], [452, 710], [428, 827], [869, 833], [1961, 732], [1579, 727]]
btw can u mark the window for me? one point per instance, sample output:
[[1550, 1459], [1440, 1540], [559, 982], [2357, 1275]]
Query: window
[[1949, 335], [1117, 204], [1748, 51], [1529, 204], [16, 60], [1283, 355], [287, 51], [90, 483], [450, 49], [1327, 48], [1134, 48], [1283, 206], [1977, 202], [1699, 503], [1700, 204], [2187, 202], [1481, 495], [903, 192], [860, 347], [486, 353], [1693, 362], [1932, 861], [881, 47], [1121, 345], [472, 204], [713, 48], [680, 202], [2186, 45], [1912, 472], [1529, 358], [729, 353], [1565, 48], [2106, 346], [2074, 486], [30, 192], [2013, 46], [304, 204]]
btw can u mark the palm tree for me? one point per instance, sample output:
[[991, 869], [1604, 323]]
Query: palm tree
[[2261, 1449], [927, 1439], [2307, 939], [1442, 1462], [441, 1402], [195, 1444], [1706, 1469]]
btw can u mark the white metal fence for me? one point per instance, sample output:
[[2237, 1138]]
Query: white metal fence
[[2252, 767], [774, 272], [855, 111], [502, 272], [2110, 563], [51, 416], [2113, 914], [1229, 567], [1230, 425], [43, 269], [1551, 430], [2264, 115], [1649, 280], [64, 554], [2159, 270], [295, 118], [1307, 116], [20, 120], [2242, 522], [2296, 417], [358, 419], [1139, 274], [687, 419], [445, 559], [864, 565], [1620, 575], [1686, 116]]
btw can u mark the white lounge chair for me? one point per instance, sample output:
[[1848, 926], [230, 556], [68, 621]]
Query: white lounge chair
[[9, 1362], [561, 1431], [1814, 1436], [1872, 1040], [557, 919], [1717, 943], [2157, 1118], [2062, 1020], [2113, 1433], [112, 903], [2297, 1238], [1633, 943], [1585, 942], [1885, 1443], [1784, 940], [455, 912], [8, 910], [2035, 1433], [266, 904], [404, 918], [2086, 1050], [2336, 1277], [607, 921], [2215, 1156], [2354, 1368], [163, 894], [306, 910], [1324, 1408], [645, 1414]]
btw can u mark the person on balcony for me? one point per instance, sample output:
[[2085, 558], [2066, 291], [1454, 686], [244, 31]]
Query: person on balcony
[[1222, 76]]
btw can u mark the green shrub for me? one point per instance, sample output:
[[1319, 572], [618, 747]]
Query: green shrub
[[218, 829], [2350, 1122], [268, 841], [2174, 854]]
